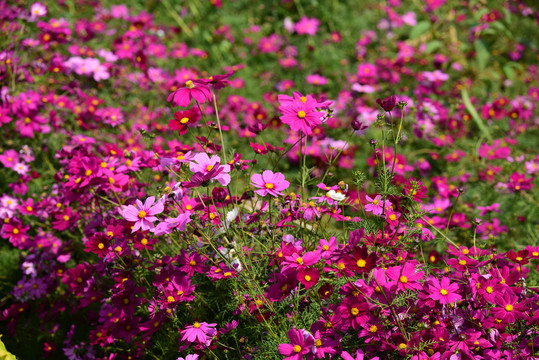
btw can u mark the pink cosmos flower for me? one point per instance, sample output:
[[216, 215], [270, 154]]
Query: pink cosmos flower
[[143, 214], [269, 183], [203, 164], [376, 205], [199, 331], [299, 346], [316, 79], [508, 310], [9, 158], [405, 276], [37, 10], [307, 26], [182, 97], [443, 291], [167, 226], [300, 112], [300, 261]]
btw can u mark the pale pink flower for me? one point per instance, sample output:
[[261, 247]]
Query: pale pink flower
[[143, 214], [269, 183]]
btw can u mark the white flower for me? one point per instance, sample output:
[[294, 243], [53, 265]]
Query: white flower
[[337, 196]]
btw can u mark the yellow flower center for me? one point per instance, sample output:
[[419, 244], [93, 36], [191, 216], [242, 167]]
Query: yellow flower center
[[196, 325], [144, 241], [301, 114], [184, 120], [299, 260], [508, 307], [462, 262], [170, 298], [141, 214], [209, 167], [402, 346], [192, 262], [189, 84], [307, 278], [373, 329], [101, 246], [354, 311], [297, 349], [29, 208], [392, 217], [118, 249], [15, 231], [269, 186], [66, 217], [318, 343], [303, 99], [443, 291], [490, 290], [403, 279], [361, 263]]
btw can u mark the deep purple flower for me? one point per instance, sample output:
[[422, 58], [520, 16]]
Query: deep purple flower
[[388, 103]]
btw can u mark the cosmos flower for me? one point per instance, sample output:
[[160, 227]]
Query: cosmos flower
[[143, 214], [443, 291], [269, 183]]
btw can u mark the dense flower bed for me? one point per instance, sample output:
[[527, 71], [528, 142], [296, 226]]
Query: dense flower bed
[[181, 185]]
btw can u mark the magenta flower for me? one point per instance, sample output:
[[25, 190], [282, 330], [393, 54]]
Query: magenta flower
[[298, 347], [182, 97], [405, 277], [376, 205], [300, 112], [143, 214], [300, 261], [509, 310], [307, 26], [443, 291], [269, 183], [199, 331]]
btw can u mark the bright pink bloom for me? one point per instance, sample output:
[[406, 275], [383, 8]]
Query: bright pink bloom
[[376, 205], [201, 332], [307, 26], [308, 277], [182, 97], [443, 291], [203, 164], [300, 261], [405, 276], [299, 346], [143, 214], [300, 112], [508, 310], [269, 183]]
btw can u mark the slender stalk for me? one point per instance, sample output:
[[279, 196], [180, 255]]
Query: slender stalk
[[219, 124]]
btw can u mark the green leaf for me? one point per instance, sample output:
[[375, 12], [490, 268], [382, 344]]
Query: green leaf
[[420, 28], [482, 54], [432, 46], [475, 116], [4, 354], [509, 72]]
